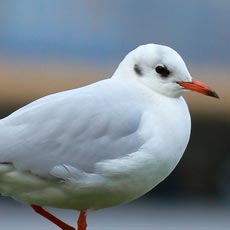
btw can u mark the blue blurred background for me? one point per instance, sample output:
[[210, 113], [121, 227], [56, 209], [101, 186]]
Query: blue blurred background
[[49, 46], [106, 30]]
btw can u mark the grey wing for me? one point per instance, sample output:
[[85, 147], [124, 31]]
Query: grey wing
[[77, 128]]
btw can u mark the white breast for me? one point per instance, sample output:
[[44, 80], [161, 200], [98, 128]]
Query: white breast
[[166, 130]]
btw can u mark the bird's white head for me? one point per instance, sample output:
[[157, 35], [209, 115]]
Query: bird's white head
[[161, 69]]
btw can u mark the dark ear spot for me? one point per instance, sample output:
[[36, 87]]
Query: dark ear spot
[[137, 69]]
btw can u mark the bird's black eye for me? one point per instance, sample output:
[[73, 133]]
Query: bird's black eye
[[162, 70]]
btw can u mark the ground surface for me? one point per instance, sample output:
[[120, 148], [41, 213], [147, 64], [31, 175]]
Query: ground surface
[[139, 215]]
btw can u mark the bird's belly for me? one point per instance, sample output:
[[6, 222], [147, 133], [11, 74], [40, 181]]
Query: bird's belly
[[113, 190]]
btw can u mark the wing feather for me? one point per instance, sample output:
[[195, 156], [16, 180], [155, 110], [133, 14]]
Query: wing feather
[[78, 128]]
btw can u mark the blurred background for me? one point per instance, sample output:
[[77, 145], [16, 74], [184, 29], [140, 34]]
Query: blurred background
[[50, 46]]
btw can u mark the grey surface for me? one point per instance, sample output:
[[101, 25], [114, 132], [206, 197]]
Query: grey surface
[[142, 214]]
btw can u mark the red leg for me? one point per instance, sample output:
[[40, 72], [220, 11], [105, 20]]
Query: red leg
[[82, 224], [52, 218]]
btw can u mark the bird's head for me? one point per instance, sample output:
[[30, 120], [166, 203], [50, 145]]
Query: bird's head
[[161, 69]]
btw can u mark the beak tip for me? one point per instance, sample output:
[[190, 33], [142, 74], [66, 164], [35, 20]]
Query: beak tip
[[213, 94]]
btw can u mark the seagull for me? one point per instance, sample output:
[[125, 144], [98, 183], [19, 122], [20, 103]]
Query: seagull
[[101, 145]]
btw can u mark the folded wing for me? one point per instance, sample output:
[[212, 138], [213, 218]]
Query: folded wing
[[77, 128]]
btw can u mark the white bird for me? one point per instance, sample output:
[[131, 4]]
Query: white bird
[[100, 145]]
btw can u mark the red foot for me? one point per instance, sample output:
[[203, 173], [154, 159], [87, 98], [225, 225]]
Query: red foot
[[52, 218], [82, 224]]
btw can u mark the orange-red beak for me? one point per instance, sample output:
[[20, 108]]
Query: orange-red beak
[[198, 87]]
